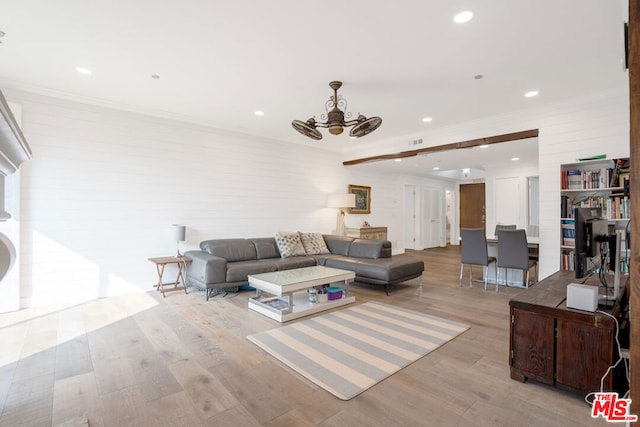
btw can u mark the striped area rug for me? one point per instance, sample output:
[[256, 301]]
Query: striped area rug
[[347, 351]]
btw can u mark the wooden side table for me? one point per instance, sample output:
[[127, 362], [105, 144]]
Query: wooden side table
[[161, 263]]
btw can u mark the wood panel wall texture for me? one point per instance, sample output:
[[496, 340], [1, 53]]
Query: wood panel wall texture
[[634, 143], [104, 185]]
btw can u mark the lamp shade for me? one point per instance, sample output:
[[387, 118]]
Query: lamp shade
[[342, 201], [178, 232]]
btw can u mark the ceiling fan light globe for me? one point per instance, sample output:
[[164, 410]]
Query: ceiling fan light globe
[[335, 129]]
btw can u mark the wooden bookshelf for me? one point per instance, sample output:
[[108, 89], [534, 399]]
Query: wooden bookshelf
[[599, 183]]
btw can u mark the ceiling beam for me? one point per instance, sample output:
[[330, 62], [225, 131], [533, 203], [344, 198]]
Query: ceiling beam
[[531, 133]]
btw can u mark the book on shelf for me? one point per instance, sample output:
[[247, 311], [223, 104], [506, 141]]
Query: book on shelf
[[581, 179], [571, 179], [568, 233], [614, 207], [617, 207], [568, 261], [622, 168], [564, 204], [596, 157]]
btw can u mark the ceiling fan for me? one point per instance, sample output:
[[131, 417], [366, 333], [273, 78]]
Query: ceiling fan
[[335, 119]]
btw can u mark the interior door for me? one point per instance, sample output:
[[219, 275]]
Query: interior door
[[410, 234], [433, 210], [507, 197], [472, 206]]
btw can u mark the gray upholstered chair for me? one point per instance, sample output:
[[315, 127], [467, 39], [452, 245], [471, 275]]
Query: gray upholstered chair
[[474, 252], [503, 227], [513, 252]]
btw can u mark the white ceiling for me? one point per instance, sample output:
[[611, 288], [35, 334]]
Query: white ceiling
[[219, 61], [451, 163]]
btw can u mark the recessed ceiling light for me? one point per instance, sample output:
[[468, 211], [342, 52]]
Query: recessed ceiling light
[[259, 113], [397, 160], [83, 70], [353, 137], [531, 93], [484, 146], [463, 17], [515, 158], [155, 76], [436, 168], [478, 76], [427, 119]]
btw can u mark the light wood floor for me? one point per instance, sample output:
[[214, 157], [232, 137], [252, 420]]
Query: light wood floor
[[141, 360]]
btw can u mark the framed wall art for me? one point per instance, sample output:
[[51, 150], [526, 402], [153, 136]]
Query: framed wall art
[[363, 199]]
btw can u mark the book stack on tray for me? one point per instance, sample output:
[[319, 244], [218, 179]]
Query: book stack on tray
[[275, 302]]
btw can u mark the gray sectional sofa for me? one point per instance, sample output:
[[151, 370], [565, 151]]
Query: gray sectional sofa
[[224, 264]]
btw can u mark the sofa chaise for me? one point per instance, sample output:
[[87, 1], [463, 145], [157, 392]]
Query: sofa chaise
[[225, 264]]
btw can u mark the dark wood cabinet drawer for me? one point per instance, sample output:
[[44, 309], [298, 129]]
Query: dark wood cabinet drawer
[[532, 344], [584, 353]]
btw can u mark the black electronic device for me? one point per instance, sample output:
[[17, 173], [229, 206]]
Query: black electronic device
[[591, 229], [612, 245], [596, 232], [626, 187], [612, 242]]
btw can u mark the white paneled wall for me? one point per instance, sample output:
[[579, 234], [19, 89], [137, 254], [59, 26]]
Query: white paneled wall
[[387, 202], [518, 202], [104, 186], [590, 126], [594, 124]]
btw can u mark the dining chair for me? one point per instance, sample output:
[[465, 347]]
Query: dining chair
[[513, 252], [503, 227], [475, 252]]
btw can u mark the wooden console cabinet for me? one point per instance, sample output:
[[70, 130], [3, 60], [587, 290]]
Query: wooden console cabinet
[[376, 233], [559, 346]]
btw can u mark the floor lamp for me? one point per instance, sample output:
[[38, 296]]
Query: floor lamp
[[342, 202]]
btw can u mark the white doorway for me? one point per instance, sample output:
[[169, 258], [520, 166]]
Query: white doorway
[[410, 218], [507, 201], [433, 217], [449, 216]]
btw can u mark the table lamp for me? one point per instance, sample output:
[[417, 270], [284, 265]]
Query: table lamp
[[178, 233], [341, 201]]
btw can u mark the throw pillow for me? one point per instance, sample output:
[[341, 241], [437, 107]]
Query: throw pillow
[[289, 244], [314, 244]]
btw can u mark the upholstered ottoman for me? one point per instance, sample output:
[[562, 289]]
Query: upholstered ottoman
[[381, 271]]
